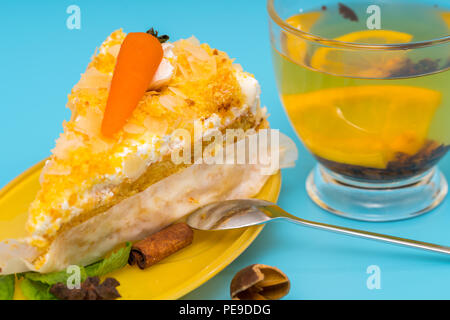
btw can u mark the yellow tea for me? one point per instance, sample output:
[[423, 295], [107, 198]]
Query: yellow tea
[[375, 115]]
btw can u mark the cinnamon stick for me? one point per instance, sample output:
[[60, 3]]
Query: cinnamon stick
[[160, 245]]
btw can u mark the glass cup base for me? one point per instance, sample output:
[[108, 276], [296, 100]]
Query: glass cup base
[[376, 201]]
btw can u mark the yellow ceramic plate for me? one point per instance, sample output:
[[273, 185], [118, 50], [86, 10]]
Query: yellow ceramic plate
[[170, 279]]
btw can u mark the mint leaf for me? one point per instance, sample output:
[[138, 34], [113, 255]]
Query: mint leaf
[[54, 277], [20, 275], [116, 260], [36, 286], [7, 284], [35, 290]]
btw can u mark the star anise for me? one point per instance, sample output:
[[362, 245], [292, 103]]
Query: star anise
[[91, 289]]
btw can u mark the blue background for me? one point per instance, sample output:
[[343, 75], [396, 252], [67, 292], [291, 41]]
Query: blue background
[[41, 60]]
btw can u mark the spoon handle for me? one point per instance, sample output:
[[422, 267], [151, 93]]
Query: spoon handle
[[362, 234]]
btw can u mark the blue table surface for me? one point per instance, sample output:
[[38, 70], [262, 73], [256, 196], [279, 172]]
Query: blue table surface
[[41, 60]]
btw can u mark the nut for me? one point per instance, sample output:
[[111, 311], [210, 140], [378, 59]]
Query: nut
[[259, 282]]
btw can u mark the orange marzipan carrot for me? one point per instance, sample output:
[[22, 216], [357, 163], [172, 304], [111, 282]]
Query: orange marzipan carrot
[[137, 62]]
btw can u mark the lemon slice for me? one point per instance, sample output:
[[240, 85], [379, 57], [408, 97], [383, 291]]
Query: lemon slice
[[357, 63], [296, 47], [363, 125]]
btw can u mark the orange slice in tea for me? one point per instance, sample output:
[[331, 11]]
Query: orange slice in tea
[[446, 17], [295, 47], [358, 63], [363, 125]]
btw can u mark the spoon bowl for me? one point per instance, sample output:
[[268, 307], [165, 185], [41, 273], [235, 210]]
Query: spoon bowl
[[230, 214]]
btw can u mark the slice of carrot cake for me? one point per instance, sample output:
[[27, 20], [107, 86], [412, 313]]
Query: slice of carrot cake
[[111, 177]]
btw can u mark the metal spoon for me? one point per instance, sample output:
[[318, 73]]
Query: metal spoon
[[232, 214]]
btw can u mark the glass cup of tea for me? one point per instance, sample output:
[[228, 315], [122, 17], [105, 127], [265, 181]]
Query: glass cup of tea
[[366, 85]]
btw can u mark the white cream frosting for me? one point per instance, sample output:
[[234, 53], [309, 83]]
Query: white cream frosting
[[165, 70]]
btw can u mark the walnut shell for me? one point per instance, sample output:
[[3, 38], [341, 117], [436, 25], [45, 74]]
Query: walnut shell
[[259, 282]]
